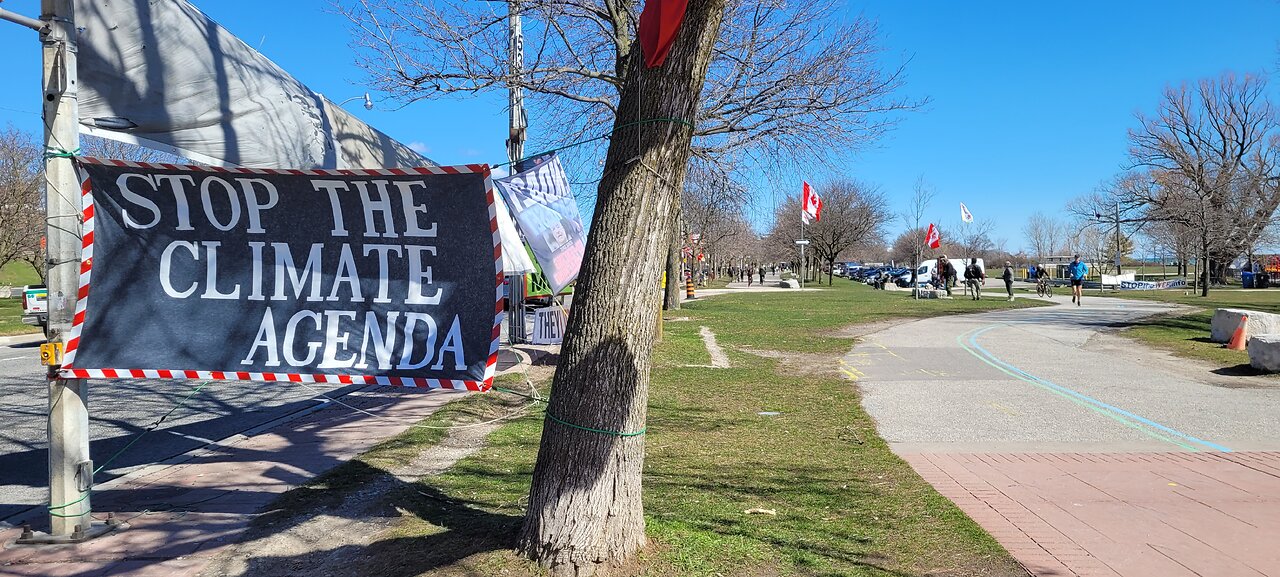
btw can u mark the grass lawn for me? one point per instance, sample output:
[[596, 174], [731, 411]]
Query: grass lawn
[[844, 504], [15, 274], [18, 274], [1187, 335]]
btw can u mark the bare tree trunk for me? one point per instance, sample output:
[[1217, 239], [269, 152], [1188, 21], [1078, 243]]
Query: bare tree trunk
[[675, 272], [585, 507]]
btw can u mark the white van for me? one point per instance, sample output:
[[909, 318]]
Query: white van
[[925, 273]]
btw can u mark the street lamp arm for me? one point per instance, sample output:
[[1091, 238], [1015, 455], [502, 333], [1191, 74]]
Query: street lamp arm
[[368, 103], [16, 18]]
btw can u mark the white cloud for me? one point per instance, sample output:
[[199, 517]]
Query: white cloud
[[420, 147], [501, 171]]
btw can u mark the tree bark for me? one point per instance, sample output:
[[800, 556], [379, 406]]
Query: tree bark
[[675, 272], [585, 508]]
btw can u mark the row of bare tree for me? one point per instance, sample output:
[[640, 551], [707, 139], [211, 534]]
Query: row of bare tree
[[1203, 178]]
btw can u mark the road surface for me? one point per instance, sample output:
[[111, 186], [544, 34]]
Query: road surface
[[1081, 455], [118, 412]]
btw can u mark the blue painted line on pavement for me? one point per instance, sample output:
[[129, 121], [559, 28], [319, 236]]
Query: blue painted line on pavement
[[1117, 410]]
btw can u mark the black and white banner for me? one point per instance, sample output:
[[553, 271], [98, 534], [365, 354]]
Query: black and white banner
[[352, 276]]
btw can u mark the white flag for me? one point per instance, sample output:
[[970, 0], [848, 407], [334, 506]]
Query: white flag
[[965, 215]]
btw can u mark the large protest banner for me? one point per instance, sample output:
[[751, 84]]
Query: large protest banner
[[340, 276], [543, 205]]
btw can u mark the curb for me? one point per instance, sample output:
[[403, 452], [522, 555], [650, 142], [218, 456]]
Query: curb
[[21, 339]]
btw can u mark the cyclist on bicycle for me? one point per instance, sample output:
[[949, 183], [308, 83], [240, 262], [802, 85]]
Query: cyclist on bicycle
[[1042, 281]]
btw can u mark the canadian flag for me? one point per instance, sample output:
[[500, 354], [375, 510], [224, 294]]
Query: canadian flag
[[933, 238], [811, 205]]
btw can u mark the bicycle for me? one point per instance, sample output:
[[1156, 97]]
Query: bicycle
[[1043, 288]]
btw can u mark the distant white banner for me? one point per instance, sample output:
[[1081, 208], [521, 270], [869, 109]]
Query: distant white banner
[[1112, 279], [1151, 286], [161, 74]]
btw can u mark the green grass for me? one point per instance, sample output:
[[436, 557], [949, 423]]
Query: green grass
[[11, 318], [15, 274], [845, 504], [1187, 335], [18, 274]]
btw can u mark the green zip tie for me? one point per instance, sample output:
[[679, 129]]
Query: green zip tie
[[601, 137], [600, 431], [54, 152]]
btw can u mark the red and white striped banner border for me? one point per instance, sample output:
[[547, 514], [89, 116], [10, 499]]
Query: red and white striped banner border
[[68, 370]]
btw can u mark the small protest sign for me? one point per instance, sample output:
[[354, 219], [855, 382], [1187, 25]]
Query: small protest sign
[[340, 276]]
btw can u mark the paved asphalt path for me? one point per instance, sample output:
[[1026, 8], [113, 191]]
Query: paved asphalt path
[[1082, 459], [118, 412]]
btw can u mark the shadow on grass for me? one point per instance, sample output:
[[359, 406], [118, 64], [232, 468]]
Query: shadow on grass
[[458, 528]]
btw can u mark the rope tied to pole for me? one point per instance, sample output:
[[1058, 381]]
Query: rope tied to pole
[[58, 152], [597, 431]]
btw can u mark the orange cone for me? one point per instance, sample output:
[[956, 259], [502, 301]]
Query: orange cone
[[1241, 338]]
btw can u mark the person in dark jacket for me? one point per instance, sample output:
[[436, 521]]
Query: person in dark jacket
[[1008, 279], [947, 272], [974, 276]]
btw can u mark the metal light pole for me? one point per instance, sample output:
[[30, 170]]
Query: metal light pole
[[70, 468], [517, 125]]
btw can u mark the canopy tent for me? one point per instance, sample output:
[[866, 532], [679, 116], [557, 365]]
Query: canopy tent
[[163, 75]]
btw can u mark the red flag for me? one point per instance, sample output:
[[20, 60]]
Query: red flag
[[659, 22], [934, 237], [811, 205]]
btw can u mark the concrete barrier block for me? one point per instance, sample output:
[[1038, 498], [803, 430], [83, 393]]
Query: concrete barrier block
[[1225, 322], [1264, 352], [925, 293], [790, 283]]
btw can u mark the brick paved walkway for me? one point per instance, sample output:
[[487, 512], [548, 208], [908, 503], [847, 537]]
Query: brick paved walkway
[[1121, 514]]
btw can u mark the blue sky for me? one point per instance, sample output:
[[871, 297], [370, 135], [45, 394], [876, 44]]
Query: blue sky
[[1030, 100]]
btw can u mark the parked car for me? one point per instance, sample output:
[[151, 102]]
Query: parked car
[[35, 305]]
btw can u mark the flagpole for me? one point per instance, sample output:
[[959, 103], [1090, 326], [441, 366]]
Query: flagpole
[[802, 263]]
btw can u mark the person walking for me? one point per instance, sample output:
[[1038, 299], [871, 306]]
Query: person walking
[[750, 277], [761, 275], [1008, 279], [974, 277], [1077, 270]]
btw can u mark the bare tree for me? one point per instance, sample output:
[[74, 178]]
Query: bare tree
[[21, 199], [1209, 160], [913, 218], [787, 80], [973, 239], [1044, 234], [585, 508], [852, 212]]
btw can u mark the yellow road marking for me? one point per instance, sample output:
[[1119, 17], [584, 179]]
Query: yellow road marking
[[849, 374], [1004, 409]]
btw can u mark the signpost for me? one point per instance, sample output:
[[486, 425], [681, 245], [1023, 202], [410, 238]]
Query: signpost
[[386, 277], [803, 243]]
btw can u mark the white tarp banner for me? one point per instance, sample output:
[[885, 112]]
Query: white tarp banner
[[161, 74]]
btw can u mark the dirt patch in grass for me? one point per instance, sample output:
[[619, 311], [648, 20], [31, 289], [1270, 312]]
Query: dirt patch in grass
[[806, 364]]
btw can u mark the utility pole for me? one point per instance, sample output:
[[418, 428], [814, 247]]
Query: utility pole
[[70, 468], [518, 123]]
